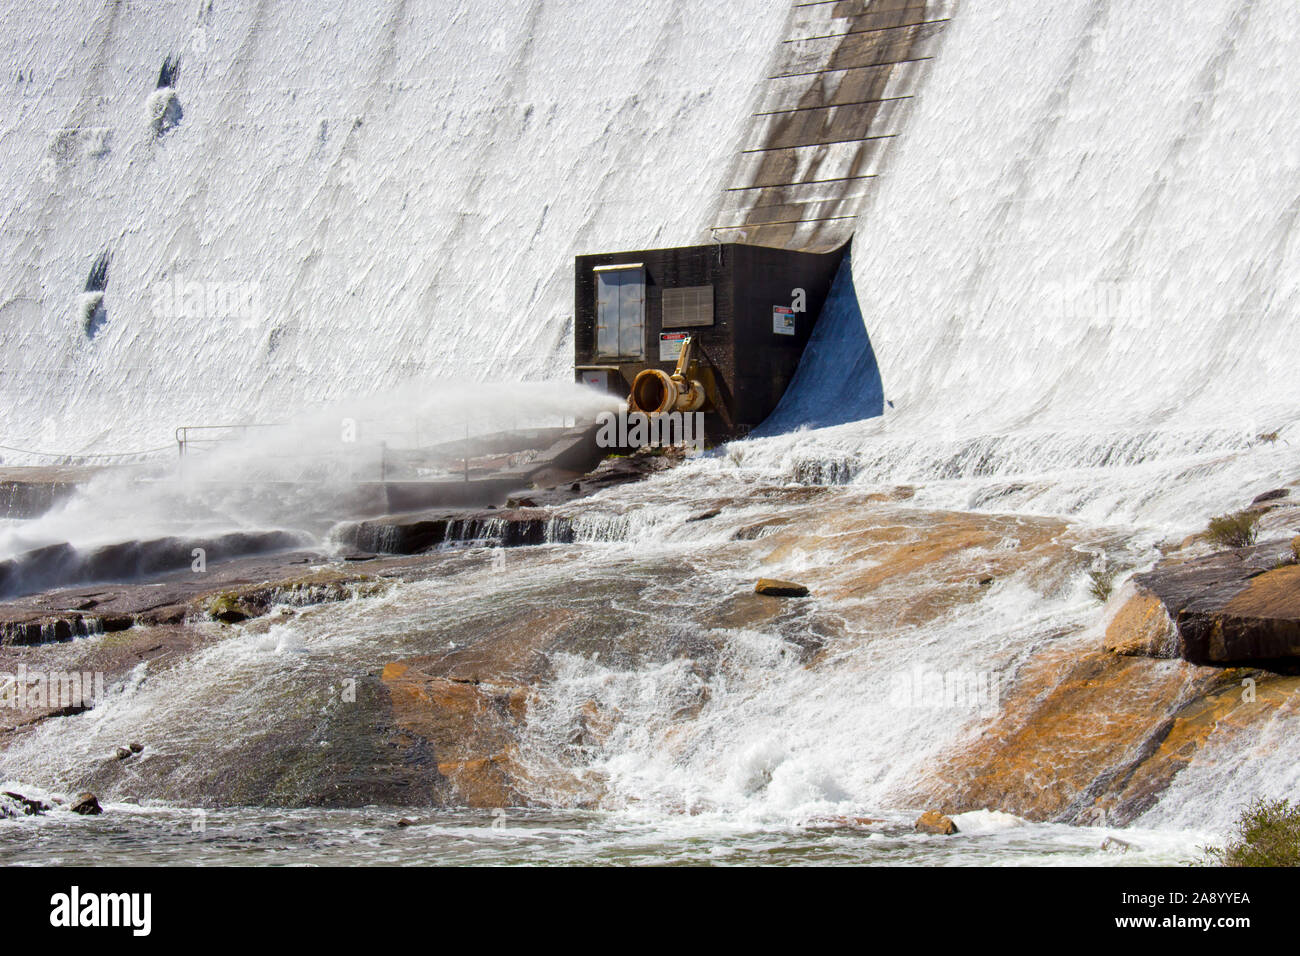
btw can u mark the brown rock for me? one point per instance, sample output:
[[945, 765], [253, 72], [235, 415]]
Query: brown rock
[[1274, 495], [1233, 711], [485, 782], [774, 588], [820, 823], [920, 564], [86, 804], [30, 806], [1237, 606], [1098, 730], [1142, 628], [1261, 623], [747, 610], [593, 726], [468, 704], [470, 721], [934, 822], [752, 532]]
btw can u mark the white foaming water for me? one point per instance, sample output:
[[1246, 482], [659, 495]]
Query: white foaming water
[[300, 474], [764, 737], [1078, 276]]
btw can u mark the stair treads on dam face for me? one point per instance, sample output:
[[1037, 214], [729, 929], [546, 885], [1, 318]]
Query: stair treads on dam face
[[835, 95]]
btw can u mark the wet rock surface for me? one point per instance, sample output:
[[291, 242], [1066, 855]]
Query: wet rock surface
[[774, 587], [86, 804], [1142, 628], [473, 703], [1203, 649], [358, 753], [61, 565], [935, 822], [247, 586], [1093, 738], [517, 700], [12, 803], [1240, 606], [529, 518]]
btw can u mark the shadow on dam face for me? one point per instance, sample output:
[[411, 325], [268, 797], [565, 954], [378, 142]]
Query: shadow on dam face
[[838, 379]]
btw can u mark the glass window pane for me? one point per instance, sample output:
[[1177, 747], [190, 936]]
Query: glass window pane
[[620, 313], [607, 314], [631, 339]]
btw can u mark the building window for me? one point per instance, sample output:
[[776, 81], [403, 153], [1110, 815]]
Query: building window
[[620, 311], [688, 306]]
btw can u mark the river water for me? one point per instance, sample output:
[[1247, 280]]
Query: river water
[[129, 834]]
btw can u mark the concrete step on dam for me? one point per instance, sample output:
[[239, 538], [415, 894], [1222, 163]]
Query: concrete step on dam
[[834, 96]]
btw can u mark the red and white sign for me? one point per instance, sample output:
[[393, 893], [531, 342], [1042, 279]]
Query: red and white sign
[[670, 345], [782, 320]]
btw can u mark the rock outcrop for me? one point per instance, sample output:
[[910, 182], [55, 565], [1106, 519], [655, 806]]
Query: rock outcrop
[[1142, 628], [62, 565], [469, 704], [231, 592], [12, 803], [1094, 737], [1234, 607], [86, 804], [773, 587]]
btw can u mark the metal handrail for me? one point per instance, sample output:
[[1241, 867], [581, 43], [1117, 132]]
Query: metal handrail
[[183, 438]]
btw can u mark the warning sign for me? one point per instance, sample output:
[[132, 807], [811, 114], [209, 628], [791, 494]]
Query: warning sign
[[670, 345], [782, 320]]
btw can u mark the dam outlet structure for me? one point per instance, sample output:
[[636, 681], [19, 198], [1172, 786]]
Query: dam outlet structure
[[717, 328]]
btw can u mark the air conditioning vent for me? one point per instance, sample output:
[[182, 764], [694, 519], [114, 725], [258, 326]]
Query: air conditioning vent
[[688, 307]]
